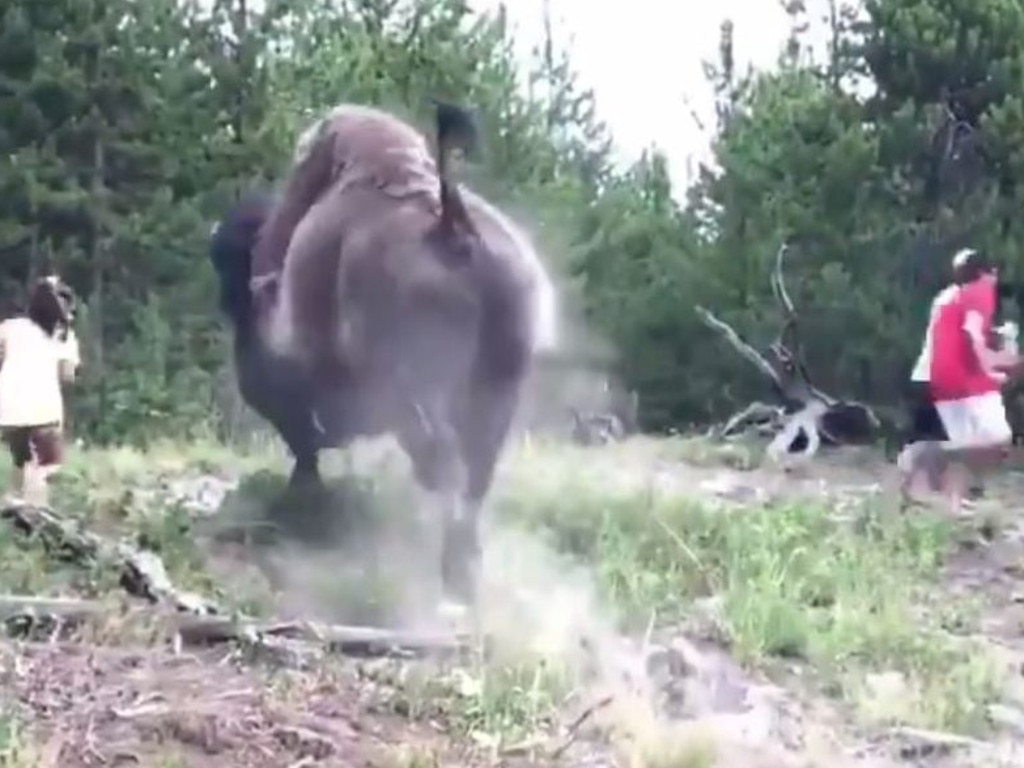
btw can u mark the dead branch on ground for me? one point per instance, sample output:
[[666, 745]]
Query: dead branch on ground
[[192, 618], [210, 630], [143, 574]]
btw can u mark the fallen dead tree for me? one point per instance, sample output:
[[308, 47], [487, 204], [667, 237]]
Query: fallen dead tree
[[191, 618], [805, 416], [143, 574]]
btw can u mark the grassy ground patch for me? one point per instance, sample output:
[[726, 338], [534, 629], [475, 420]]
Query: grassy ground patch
[[848, 596], [845, 598]]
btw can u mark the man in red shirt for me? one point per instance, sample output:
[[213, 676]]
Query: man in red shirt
[[967, 374]]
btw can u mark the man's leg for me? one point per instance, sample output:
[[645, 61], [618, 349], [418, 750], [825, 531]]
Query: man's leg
[[979, 433], [957, 480], [958, 422], [992, 434]]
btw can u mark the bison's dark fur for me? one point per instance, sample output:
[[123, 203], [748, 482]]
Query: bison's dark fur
[[376, 296]]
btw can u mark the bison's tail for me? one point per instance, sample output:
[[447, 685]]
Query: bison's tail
[[456, 129]]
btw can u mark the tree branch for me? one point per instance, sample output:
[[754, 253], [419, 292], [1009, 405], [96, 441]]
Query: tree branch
[[739, 345]]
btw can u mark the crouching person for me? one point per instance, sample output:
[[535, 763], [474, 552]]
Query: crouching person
[[966, 379], [38, 354]]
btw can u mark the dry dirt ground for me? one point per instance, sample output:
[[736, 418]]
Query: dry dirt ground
[[667, 696]]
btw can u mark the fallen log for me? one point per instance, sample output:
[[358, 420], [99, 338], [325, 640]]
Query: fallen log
[[339, 638], [66, 609], [143, 573], [917, 743], [192, 617], [210, 630]]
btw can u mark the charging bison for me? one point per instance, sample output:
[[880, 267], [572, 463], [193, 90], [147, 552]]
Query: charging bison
[[374, 295]]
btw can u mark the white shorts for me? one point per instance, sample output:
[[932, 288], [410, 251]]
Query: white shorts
[[975, 422]]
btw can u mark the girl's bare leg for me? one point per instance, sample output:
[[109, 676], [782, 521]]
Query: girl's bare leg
[[34, 484], [17, 482], [45, 473]]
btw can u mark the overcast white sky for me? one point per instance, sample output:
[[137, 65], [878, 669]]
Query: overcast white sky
[[643, 60]]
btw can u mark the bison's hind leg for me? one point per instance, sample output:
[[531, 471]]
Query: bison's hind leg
[[460, 415], [483, 425], [431, 442]]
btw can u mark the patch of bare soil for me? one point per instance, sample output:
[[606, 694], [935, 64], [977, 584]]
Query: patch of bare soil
[[101, 706], [847, 474]]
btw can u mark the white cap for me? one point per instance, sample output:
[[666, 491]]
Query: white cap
[[960, 257]]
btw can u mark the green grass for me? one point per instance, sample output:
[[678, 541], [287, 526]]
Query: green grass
[[842, 595], [847, 599]]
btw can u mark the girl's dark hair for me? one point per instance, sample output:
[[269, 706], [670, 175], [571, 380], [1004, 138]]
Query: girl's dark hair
[[47, 306], [969, 265]]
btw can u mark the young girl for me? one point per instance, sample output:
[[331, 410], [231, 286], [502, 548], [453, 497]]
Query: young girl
[[38, 353]]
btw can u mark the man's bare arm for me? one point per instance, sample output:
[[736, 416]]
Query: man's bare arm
[[992, 360]]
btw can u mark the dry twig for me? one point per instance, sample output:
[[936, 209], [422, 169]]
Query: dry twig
[[572, 731]]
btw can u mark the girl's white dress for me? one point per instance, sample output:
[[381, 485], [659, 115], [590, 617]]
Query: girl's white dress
[[30, 392]]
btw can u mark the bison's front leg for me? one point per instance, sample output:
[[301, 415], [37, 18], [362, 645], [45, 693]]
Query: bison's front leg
[[306, 471], [283, 399]]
